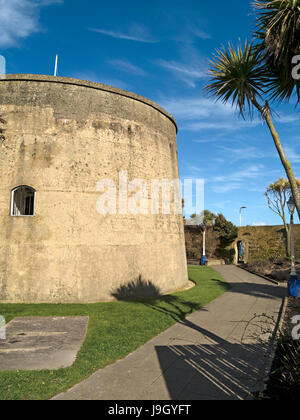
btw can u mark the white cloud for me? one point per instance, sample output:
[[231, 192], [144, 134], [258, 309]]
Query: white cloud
[[135, 33], [251, 172], [195, 108], [232, 124], [285, 119], [246, 152], [221, 184], [235, 123], [189, 33], [190, 69], [186, 26], [200, 114], [292, 155], [199, 33], [236, 180], [20, 19], [259, 224], [97, 78], [222, 205], [261, 190], [127, 67], [188, 74], [204, 116], [225, 188]]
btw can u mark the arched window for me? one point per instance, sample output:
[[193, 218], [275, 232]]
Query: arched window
[[22, 201]]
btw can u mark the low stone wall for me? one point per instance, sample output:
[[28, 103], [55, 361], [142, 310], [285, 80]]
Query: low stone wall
[[261, 242], [266, 242]]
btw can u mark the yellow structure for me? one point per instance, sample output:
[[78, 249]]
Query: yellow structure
[[62, 138]]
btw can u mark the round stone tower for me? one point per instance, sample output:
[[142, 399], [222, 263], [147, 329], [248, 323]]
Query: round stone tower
[[77, 216]]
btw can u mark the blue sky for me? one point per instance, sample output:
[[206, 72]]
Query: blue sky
[[160, 50]]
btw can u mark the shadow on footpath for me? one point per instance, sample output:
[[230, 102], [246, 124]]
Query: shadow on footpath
[[267, 291], [212, 368], [216, 370]]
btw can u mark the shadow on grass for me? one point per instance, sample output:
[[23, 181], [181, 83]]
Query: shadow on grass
[[137, 290], [145, 292], [178, 309], [209, 365]]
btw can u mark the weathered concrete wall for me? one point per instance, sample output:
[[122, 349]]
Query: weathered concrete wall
[[62, 137]]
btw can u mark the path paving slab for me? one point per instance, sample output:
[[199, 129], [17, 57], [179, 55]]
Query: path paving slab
[[37, 343], [212, 355]]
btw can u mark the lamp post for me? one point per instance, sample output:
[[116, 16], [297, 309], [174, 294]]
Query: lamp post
[[242, 208], [204, 259], [293, 283]]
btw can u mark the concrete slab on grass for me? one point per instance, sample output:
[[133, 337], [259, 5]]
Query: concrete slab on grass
[[36, 343]]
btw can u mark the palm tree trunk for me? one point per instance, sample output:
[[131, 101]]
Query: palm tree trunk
[[265, 112], [286, 164]]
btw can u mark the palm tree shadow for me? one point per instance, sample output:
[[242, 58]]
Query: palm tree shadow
[[136, 291], [267, 291], [145, 292], [178, 309]]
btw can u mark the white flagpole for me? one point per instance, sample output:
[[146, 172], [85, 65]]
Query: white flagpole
[[56, 61]]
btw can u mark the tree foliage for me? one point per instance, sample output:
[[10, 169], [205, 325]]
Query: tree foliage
[[206, 218], [228, 232], [220, 234], [237, 76], [277, 195], [240, 77]]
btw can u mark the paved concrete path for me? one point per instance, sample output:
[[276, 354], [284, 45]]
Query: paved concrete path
[[207, 356]]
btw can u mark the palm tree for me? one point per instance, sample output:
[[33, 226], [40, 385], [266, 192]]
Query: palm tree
[[240, 77], [277, 195], [278, 35], [209, 218]]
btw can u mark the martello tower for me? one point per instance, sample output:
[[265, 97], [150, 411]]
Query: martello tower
[[62, 136]]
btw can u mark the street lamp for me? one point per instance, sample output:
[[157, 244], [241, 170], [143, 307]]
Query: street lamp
[[242, 208], [204, 258], [293, 283]]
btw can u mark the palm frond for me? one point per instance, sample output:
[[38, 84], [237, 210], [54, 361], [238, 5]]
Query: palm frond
[[237, 76], [278, 35], [281, 86], [278, 27]]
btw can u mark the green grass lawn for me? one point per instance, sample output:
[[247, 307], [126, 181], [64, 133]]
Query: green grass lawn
[[115, 330]]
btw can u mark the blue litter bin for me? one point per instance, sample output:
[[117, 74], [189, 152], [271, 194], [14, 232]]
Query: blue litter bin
[[203, 260], [294, 286]]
